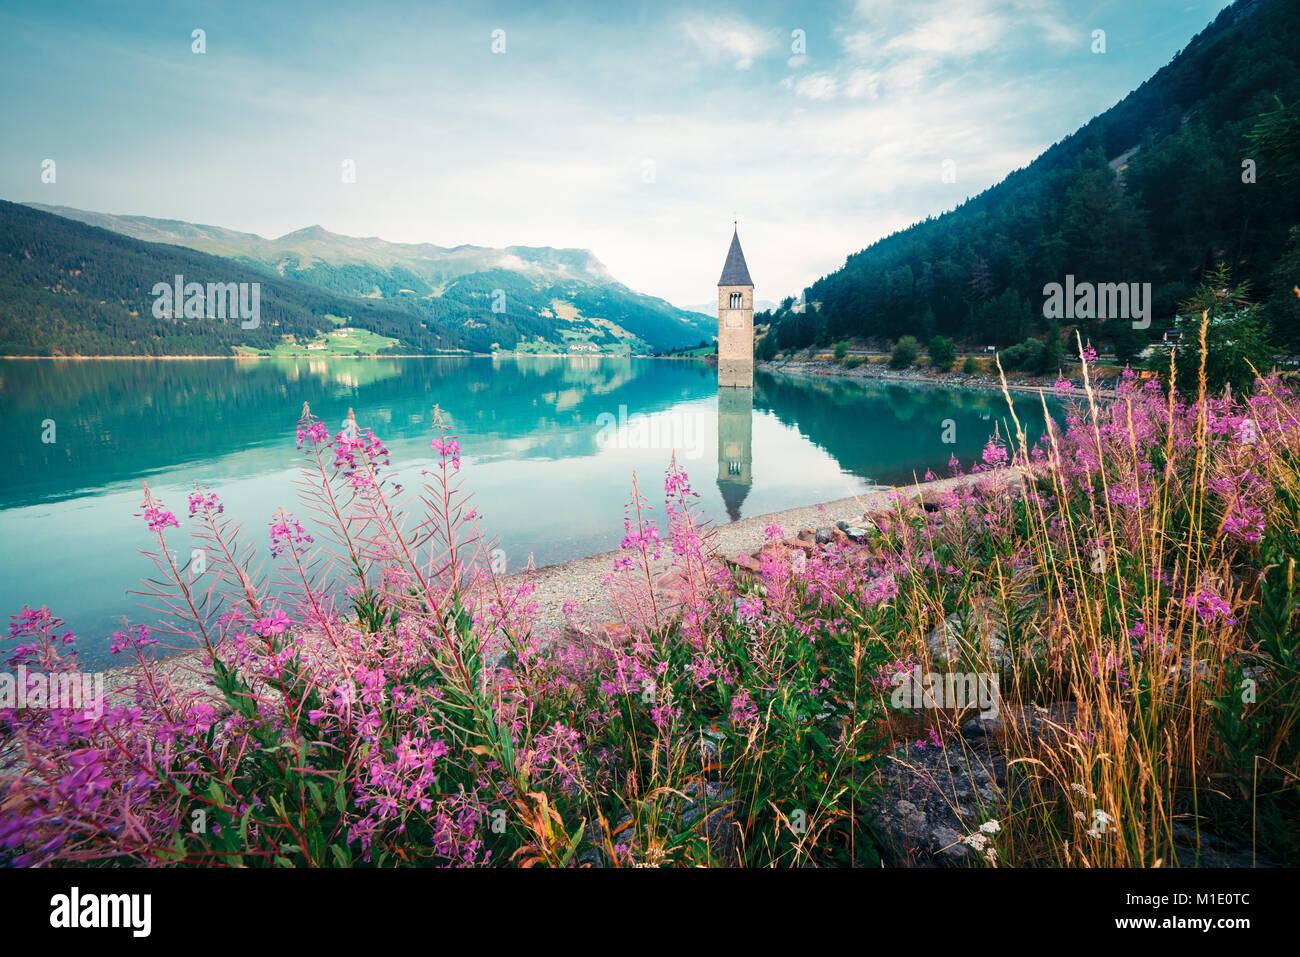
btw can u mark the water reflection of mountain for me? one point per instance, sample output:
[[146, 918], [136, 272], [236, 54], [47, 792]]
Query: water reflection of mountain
[[884, 432], [121, 420]]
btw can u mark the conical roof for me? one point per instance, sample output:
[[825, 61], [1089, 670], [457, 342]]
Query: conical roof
[[735, 272]]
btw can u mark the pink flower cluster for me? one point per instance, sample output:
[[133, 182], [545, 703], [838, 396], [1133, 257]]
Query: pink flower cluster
[[286, 532]]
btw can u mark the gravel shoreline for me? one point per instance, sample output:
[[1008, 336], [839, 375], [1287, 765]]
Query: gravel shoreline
[[580, 580], [954, 380]]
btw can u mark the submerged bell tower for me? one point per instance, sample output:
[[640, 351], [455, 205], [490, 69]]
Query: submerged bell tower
[[735, 320]]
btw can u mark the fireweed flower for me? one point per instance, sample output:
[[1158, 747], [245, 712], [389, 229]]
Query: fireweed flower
[[703, 670], [1144, 641], [645, 536], [353, 449], [1210, 607], [1245, 522], [159, 519], [743, 710], [285, 533], [665, 715], [271, 625], [205, 502], [448, 449], [995, 453], [131, 638], [313, 433], [678, 485], [891, 674], [935, 741]]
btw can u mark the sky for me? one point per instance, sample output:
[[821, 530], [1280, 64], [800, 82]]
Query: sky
[[638, 131]]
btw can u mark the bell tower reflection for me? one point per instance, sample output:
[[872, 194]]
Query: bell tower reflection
[[735, 454]]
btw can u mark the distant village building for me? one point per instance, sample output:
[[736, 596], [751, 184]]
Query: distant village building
[[735, 321]]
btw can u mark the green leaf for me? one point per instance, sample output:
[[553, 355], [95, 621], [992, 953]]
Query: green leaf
[[316, 796], [573, 844]]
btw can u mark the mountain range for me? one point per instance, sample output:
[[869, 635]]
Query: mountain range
[[415, 297]]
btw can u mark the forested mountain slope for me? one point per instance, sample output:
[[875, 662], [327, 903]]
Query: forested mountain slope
[[1151, 191]]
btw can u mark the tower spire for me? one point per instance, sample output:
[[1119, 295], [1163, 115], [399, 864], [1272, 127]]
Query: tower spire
[[734, 270], [735, 318]]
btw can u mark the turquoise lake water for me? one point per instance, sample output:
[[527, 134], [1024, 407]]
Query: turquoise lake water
[[549, 446]]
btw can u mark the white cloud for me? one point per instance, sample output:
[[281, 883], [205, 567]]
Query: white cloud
[[1047, 20], [874, 9], [953, 33], [862, 83], [861, 44], [814, 86], [952, 29], [728, 38]]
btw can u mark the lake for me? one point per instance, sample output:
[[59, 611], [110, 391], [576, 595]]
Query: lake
[[549, 446]]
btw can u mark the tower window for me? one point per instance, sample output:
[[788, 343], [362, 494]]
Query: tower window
[[736, 300]]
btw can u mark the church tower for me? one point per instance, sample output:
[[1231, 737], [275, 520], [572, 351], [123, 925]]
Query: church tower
[[735, 320]]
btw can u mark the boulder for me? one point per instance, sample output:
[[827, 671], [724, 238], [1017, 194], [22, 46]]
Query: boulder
[[671, 591], [933, 797], [982, 628], [745, 563], [1205, 849], [969, 636], [800, 545], [886, 518], [1050, 725], [783, 552], [614, 634], [931, 498]]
